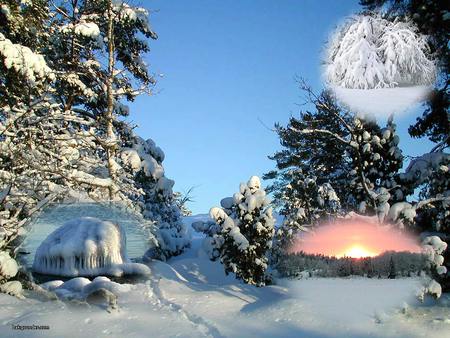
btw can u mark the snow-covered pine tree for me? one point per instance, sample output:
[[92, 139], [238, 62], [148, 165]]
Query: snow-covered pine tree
[[118, 38], [25, 102], [353, 159], [369, 51], [427, 215], [54, 134], [380, 158], [310, 172], [83, 37], [244, 232]]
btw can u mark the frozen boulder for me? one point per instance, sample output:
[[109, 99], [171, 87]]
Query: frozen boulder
[[83, 246]]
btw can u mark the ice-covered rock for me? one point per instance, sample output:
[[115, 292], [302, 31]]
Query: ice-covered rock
[[84, 246]]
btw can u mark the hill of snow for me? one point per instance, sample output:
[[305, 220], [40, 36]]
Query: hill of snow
[[192, 297], [381, 102]]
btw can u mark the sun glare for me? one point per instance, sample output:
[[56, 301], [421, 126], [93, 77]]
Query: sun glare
[[358, 252]]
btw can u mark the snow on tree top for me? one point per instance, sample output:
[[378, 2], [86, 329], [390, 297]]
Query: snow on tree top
[[22, 60], [254, 183]]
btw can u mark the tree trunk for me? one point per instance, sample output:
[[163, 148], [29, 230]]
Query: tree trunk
[[109, 118]]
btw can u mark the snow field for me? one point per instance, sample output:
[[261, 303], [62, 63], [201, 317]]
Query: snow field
[[192, 297]]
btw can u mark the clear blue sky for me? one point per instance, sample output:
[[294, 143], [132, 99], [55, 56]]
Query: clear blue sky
[[226, 66]]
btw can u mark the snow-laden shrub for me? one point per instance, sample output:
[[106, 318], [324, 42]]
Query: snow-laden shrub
[[433, 248], [8, 270], [8, 266], [368, 52], [155, 198], [242, 232]]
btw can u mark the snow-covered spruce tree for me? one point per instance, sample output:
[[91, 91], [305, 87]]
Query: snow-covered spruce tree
[[243, 232], [40, 152], [64, 141], [369, 51], [375, 155]]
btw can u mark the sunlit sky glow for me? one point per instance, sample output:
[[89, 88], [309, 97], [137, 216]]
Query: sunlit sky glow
[[355, 239]]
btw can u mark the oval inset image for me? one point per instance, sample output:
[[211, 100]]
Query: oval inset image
[[378, 67]]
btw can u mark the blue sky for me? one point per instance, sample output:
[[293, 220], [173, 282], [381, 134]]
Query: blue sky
[[228, 70]]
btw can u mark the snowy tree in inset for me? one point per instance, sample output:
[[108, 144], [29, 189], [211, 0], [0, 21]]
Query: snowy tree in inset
[[354, 58], [244, 233], [370, 52], [406, 55]]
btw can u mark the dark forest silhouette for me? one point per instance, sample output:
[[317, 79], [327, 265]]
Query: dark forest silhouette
[[389, 264]]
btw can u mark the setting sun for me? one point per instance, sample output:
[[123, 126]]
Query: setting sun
[[355, 238], [357, 252]]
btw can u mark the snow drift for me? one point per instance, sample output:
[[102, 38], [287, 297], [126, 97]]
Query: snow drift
[[84, 246]]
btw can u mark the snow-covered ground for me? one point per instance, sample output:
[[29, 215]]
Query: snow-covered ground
[[381, 102], [191, 297]]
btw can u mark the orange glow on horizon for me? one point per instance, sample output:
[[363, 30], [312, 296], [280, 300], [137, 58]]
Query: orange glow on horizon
[[357, 251], [356, 239]]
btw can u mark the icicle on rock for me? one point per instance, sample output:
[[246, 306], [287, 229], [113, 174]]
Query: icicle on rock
[[83, 246]]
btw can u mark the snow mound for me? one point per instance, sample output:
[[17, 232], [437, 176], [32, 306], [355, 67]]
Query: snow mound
[[13, 288], [80, 288], [85, 246]]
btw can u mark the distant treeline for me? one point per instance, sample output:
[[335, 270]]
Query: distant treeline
[[390, 264]]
